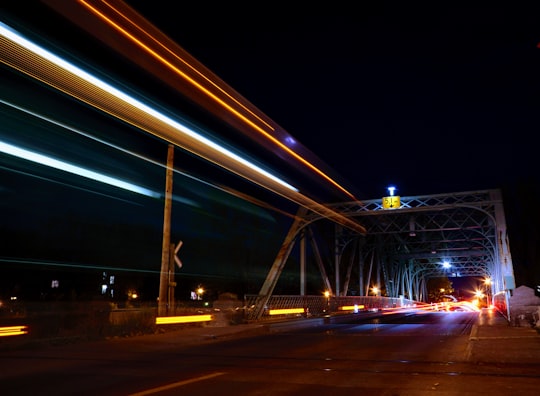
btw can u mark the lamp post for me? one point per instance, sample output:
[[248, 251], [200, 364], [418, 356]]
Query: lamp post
[[487, 284], [200, 292], [327, 295]]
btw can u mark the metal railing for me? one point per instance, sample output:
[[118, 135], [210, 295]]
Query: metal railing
[[289, 305]]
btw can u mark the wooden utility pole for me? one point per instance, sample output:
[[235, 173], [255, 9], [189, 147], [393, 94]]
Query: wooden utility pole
[[171, 282], [163, 302]]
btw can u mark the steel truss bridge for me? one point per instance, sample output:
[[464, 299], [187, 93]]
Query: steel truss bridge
[[402, 248], [397, 249]]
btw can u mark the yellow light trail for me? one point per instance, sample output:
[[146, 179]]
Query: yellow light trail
[[183, 319], [8, 331], [286, 311], [351, 307]]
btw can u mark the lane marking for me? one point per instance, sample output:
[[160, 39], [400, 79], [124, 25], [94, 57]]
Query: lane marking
[[175, 384]]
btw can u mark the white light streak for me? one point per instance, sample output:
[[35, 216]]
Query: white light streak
[[74, 169], [12, 35], [116, 147]]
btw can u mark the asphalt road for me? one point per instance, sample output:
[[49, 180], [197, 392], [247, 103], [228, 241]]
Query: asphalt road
[[392, 355]]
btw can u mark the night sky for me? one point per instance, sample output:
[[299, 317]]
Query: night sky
[[431, 97]]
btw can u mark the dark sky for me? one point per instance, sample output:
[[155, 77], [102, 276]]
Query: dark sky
[[433, 97]]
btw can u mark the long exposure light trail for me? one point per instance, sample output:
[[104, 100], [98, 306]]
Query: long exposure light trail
[[8, 331], [138, 31], [80, 132], [154, 52], [90, 266], [175, 197], [33, 60], [73, 265], [77, 170], [49, 180], [123, 97]]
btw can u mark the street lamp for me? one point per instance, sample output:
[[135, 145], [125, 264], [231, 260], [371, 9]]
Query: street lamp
[[479, 296], [327, 296], [487, 284], [200, 292]]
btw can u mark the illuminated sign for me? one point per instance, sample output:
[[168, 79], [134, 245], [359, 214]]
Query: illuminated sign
[[392, 202]]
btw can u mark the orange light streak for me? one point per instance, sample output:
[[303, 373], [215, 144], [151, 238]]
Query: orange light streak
[[167, 63], [175, 69]]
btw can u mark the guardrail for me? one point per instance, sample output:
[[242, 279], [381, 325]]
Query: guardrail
[[294, 305], [97, 320]]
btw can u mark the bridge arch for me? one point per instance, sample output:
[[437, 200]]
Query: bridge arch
[[408, 244]]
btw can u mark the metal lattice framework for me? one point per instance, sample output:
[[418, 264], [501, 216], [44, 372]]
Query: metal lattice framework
[[407, 245]]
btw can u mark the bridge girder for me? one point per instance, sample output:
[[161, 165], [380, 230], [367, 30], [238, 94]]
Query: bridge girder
[[410, 243]]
